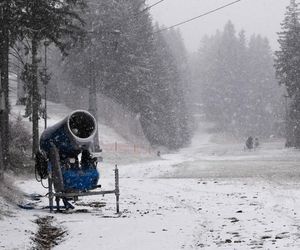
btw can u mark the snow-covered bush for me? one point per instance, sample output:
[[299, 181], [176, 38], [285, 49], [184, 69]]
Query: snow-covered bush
[[9, 196], [20, 148]]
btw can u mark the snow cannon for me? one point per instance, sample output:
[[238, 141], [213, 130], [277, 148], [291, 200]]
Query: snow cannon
[[71, 135], [61, 146], [66, 160]]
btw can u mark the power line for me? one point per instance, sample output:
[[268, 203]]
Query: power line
[[202, 15], [143, 10], [151, 6], [135, 15]]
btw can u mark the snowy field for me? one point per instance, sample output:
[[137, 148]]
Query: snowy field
[[210, 195], [207, 196]]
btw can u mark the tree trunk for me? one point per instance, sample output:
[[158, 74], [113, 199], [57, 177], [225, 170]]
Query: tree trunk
[[2, 166], [297, 121], [1, 122], [20, 86], [4, 86], [35, 98], [1, 95]]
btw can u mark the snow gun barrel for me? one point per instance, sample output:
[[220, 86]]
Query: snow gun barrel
[[71, 135]]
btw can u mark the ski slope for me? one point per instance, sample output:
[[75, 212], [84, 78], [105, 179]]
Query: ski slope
[[210, 195]]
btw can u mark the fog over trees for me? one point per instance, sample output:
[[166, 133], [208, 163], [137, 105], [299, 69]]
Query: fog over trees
[[139, 143], [235, 85], [115, 48]]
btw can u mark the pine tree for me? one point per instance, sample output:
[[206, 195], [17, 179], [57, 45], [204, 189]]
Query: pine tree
[[182, 84], [166, 122], [131, 75], [39, 21], [287, 66], [220, 71], [10, 11], [8, 14], [266, 97], [287, 58]]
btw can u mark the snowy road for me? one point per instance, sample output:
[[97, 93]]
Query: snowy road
[[207, 196]]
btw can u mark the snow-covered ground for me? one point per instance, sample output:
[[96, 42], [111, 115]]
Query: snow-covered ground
[[210, 195]]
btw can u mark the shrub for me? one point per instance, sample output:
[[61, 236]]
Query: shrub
[[20, 148]]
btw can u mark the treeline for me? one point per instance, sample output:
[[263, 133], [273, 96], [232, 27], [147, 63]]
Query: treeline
[[111, 47], [124, 57], [235, 83]]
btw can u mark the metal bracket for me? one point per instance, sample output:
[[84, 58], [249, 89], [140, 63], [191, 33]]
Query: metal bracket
[[116, 191]]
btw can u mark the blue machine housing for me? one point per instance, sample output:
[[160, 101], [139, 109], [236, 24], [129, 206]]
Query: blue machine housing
[[76, 179], [73, 136]]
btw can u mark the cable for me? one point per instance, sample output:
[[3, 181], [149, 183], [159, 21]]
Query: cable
[[135, 15], [202, 15], [149, 7], [44, 185]]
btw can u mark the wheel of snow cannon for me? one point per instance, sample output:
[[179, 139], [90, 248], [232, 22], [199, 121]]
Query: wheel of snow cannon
[[57, 176]]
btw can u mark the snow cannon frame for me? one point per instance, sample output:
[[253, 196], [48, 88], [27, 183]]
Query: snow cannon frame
[[58, 161]]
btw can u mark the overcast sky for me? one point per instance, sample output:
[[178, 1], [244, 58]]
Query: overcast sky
[[254, 16]]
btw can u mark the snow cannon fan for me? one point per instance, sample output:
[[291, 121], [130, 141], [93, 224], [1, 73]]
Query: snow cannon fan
[[60, 148]]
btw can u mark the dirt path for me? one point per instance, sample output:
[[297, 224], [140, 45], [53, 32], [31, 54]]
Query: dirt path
[[48, 234]]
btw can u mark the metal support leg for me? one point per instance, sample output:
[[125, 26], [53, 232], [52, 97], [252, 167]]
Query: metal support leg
[[50, 193], [57, 204], [117, 190]]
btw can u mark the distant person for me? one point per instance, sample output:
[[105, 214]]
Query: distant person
[[158, 153], [249, 143], [256, 142], [288, 144]]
